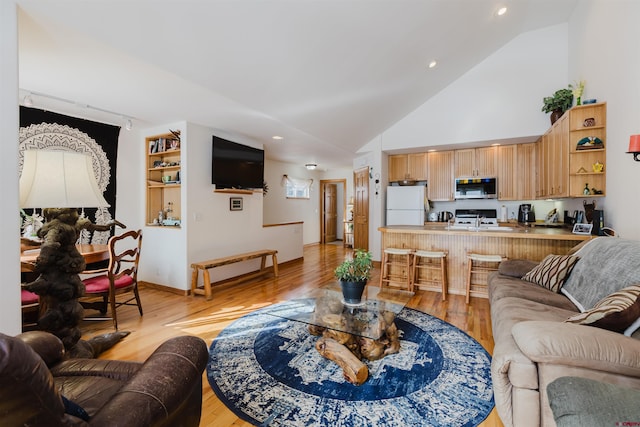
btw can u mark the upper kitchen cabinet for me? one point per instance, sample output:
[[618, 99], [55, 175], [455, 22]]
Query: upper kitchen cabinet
[[508, 172], [587, 136], [398, 167], [480, 162], [526, 171], [410, 167], [441, 178], [553, 161]]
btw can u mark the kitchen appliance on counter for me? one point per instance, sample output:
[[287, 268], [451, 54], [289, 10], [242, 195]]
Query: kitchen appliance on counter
[[406, 205], [476, 217], [444, 216], [526, 214], [476, 188]]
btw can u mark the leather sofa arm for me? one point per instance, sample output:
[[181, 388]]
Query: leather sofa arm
[[169, 381], [46, 345], [578, 346]]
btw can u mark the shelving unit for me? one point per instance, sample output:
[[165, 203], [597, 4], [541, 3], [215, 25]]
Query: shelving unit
[[583, 162], [163, 165]]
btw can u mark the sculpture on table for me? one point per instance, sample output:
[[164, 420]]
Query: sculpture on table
[[58, 266]]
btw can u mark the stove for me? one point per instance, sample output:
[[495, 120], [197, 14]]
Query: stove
[[468, 217]]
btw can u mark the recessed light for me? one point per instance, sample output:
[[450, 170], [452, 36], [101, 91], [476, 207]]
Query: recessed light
[[502, 11], [277, 137], [433, 63]]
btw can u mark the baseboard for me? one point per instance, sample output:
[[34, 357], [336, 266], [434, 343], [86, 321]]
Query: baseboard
[[183, 292]]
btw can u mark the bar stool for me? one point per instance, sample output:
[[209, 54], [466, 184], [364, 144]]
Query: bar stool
[[482, 265], [433, 266], [396, 267]]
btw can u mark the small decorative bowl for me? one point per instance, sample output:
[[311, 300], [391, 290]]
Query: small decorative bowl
[[589, 101]]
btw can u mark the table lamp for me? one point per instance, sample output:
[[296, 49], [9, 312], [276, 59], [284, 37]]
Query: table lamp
[[61, 179], [60, 182]]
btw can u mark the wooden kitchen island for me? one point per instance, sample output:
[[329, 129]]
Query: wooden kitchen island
[[533, 243]]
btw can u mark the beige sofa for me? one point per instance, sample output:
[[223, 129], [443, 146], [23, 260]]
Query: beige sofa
[[534, 343]]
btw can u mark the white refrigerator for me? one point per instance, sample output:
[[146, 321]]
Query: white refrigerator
[[405, 205]]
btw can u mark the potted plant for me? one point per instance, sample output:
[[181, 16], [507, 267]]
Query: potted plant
[[353, 275], [557, 104]]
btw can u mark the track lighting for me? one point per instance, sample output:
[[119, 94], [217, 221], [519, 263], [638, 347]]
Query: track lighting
[[28, 102]]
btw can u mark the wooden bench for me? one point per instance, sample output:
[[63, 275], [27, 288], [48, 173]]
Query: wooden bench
[[218, 262]]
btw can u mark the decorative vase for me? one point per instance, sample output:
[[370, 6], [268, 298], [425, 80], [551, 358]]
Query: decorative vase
[[352, 291], [555, 115], [579, 100]]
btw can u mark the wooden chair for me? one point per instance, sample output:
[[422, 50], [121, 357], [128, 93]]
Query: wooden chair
[[120, 277]]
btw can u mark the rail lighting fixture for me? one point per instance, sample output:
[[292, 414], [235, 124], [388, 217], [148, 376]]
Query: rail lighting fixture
[[27, 101], [311, 166], [634, 147]]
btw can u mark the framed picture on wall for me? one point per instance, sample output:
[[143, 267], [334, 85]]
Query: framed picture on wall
[[235, 203]]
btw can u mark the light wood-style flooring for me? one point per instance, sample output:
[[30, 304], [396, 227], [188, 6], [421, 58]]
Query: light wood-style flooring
[[167, 315]]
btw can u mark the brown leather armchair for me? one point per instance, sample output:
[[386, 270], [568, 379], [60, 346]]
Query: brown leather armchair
[[38, 387]]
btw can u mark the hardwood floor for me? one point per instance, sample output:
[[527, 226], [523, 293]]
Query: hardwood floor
[[167, 315]]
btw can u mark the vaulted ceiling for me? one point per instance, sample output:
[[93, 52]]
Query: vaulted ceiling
[[326, 75]]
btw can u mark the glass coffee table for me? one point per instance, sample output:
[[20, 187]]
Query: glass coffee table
[[350, 333], [325, 306]]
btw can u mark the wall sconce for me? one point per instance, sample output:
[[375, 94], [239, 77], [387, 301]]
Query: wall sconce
[[634, 147], [311, 166]]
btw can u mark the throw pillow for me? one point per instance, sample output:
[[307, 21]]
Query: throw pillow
[[616, 312], [552, 271], [582, 402]]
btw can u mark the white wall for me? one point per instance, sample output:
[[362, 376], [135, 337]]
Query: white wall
[[10, 313], [603, 51], [499, 98], [278, 209]]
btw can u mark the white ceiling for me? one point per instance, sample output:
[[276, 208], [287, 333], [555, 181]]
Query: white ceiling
[[327, 75]]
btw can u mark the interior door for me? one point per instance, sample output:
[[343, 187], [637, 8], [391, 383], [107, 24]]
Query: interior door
[[361, 209], [330, 212]]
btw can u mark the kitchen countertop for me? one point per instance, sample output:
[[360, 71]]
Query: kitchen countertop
[[510, 230]]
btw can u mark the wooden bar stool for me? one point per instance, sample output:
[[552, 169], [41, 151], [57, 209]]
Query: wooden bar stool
[[396, 267], [481, 264], [430, 270]]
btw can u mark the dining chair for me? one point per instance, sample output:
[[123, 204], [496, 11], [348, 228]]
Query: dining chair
[[30, 301], [120, 277]]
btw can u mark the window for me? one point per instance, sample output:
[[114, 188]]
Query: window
[[297, 188]]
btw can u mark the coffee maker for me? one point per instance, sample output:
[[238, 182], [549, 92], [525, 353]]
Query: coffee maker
[[526, 215]]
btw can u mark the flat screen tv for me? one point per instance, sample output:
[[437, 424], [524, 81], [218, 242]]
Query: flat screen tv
[[235, 165]]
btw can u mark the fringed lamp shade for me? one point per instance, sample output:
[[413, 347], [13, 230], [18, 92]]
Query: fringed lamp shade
[[61, 179]]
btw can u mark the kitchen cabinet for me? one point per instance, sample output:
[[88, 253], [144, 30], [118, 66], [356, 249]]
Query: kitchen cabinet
[[398, 167], [440, 175], [408, 167], [481, 162], [508, 172], [553, 161], [418, 166], [565, 165], [163, 163], [526, 171], [587, 121]]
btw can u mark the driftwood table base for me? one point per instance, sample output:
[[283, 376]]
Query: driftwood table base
[[348, 350]]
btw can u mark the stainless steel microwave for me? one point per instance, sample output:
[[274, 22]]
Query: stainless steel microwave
[[476, 188]]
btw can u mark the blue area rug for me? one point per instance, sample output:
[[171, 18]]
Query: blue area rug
[[268, 372]]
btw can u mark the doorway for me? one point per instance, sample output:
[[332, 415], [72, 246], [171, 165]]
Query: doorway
[[333, 205], [361, 209]]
